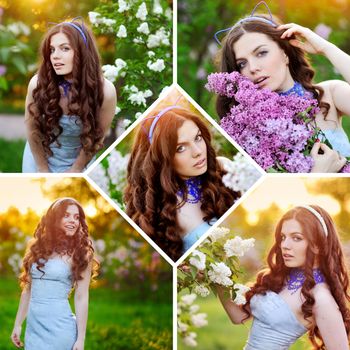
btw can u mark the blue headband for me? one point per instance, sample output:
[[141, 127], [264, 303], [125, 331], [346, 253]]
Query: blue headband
[[81, 32], [248, 19], [158, 116]]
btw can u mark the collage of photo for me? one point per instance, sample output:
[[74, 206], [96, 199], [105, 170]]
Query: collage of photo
[[173, 175]]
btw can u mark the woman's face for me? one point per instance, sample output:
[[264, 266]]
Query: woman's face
[[294, 244], [262, 61], [70, 222], [61, 54], [191, 151]]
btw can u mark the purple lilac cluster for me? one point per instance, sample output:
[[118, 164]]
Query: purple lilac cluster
[[275, 130]]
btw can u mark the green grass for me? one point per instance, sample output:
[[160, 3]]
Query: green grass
[[117, 319], [11, 153], [221, 334]]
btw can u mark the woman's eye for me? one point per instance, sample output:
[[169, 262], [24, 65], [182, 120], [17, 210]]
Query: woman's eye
[[199, 137], [180, 149], [66, 49], [240, 65], [297, 239], [52, 50], [262, 53]]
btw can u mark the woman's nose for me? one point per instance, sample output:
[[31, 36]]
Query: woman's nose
[[196, 150]]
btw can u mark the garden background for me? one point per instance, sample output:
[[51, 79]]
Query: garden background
[[256, 218], [198, 20], [130, 304], [134, 41]]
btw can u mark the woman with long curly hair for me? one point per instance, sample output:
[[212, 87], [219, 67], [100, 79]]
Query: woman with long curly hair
[[273, 56], [69, 104], [60, 257], [304, 289], [175, 189]]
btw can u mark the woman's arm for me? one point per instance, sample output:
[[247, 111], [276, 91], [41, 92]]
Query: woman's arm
[[312, 43], [236, 314], [81, 302], [329, 320], [107, 113], [20, 317], [33, 134]]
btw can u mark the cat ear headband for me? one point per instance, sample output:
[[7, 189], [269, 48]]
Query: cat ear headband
[[74, 25], [157, 117], [252, 17]]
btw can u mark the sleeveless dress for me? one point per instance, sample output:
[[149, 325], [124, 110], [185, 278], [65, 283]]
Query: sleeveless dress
[[339, 140], [63, 157], [275, 327], [51, 325], [192, 237]]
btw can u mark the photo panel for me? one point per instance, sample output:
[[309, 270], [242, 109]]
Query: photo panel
[[74, 75], [130, 293], [272, 74], [259, 263]]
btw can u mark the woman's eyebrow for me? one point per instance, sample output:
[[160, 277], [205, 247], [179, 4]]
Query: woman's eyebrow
[[256, 49]]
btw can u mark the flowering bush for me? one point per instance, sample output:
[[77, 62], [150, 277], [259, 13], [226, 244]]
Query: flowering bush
[[143, 65], [216, 261], [188, 319], [277, 131]]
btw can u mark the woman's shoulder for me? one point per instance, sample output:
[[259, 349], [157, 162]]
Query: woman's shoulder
[[108, 89], [33, 82], [323, 296], [330, 85]]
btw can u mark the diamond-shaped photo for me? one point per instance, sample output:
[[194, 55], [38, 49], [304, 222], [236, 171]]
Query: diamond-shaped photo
[[274, 274], [175, 174], [80, 276]]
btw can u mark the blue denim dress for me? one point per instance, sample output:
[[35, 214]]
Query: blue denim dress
[[339, 141], [275, 327], [51, 325], [63, 156]]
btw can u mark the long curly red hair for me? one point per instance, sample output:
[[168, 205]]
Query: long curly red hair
[[153, 183], [86, 92], [299, 66], [329, 256], [49, 239]]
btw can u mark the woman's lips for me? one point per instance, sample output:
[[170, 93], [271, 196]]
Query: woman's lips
[[201, 163], [261, 81]]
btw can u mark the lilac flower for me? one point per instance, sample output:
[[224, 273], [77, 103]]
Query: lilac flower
[[275, 130]]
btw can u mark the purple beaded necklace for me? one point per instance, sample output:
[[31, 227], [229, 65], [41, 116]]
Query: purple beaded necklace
[[297, 278], [194, 190]]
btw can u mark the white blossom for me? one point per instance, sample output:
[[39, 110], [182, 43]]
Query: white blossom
[[108, 21], [240, 290], [194, 308], [161, 37], [122, 33], [157, 8], [138, 115], [188, 299], [117, 110], [218, 232], [150, 54], [18, 28], [99, 176], [183, 327], [94, 18], [123, 6], [143, 28], [238, 246], [220, 274], [142, 12], [169, 14], [190, 339], [241, 175], [117, 168], [199, 320], [156, 66], [120, 64], [202, 291], [112, 72], [198, 260], [15, 262], [138, 40]]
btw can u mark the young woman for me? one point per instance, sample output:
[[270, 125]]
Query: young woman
[[59, 258], [174, 190], [69, 105], [273, 56], [304, 289]]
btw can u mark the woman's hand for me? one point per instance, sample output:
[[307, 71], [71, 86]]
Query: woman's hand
[[16, 336], [78, 345], [306, 39], [328, 162]]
